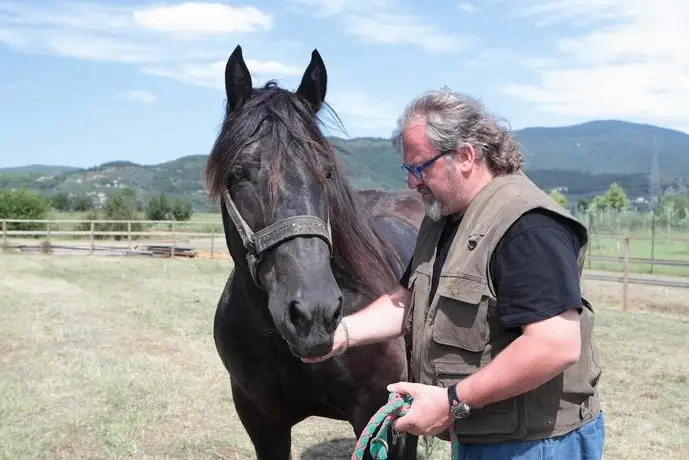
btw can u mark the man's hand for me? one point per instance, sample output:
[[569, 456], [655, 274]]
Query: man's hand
[[339, 342], [379, 321], [429, 414]]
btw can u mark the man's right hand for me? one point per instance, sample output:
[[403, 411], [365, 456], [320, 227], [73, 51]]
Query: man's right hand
[[340, 343], [381, 320]]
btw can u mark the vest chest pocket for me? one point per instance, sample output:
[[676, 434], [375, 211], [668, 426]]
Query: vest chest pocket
[[461, 317]]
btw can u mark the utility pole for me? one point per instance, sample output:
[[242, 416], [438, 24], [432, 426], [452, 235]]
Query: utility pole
[[654, 196]]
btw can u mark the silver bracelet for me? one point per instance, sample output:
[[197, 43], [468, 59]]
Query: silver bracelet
[[346, 331]]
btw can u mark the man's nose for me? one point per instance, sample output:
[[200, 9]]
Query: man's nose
[[413, 181]]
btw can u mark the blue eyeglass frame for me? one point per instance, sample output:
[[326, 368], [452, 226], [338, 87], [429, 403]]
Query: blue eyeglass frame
[[417, 171]]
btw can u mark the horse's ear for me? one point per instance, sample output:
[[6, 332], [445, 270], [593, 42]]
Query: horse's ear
[[237, 80], [314, 82]]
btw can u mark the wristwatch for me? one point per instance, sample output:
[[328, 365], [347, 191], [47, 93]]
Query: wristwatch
[[458, 409]]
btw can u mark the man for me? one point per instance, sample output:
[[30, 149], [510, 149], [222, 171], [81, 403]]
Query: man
[[503, 351]]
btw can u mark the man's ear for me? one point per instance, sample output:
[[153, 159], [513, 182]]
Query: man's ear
[[466, 157]]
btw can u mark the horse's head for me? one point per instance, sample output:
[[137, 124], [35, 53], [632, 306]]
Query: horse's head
[[272, 167]]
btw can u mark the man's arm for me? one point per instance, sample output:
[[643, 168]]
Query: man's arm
[[545, 349], [535, 273], [380, 320]]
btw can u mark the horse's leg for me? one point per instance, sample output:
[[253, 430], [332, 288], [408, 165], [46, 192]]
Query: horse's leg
[[272, 439]]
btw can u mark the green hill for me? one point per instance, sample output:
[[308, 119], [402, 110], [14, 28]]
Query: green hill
[[609, 146], [583, 159]]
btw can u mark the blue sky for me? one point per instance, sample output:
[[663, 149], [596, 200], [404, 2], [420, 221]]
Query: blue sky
[[82, 83]]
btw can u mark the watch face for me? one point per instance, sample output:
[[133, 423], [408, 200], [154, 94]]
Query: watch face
[[460, 410]]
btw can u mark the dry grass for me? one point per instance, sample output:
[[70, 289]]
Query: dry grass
[[114, 358]]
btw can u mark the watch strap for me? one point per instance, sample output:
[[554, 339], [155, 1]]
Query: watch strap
[[457, 408], [452, 395]]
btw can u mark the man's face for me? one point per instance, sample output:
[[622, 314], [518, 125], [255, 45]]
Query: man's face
[[440, 182]]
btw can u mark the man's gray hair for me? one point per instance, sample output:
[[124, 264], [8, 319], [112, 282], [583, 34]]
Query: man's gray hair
[[455, 120]]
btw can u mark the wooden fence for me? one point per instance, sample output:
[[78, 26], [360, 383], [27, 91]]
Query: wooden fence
[[171, 241], [173, 245]]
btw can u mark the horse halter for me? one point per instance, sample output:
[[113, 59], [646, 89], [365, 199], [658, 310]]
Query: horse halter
[[256, 243]]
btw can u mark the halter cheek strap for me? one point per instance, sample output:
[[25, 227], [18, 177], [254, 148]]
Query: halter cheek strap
[[256, 243]]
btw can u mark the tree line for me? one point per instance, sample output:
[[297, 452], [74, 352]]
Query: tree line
[[122, 204], [671, 209]]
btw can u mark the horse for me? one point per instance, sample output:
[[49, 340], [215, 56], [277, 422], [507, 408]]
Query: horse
[[307, 249]]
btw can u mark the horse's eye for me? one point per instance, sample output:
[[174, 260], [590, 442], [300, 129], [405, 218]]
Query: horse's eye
[[238, 173], [329, 173]]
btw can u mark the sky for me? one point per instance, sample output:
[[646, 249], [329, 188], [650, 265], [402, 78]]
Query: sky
[[85, 82]]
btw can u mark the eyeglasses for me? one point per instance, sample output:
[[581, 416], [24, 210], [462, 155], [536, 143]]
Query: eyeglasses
[[416, 171]]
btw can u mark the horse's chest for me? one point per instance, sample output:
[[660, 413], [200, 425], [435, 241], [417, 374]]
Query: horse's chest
[[261, 364]]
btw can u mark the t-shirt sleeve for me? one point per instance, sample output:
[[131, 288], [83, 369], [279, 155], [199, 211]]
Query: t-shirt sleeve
[[535, 269]]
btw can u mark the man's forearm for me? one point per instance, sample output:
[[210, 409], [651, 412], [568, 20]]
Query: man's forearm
[[381, 320], [525, 364]]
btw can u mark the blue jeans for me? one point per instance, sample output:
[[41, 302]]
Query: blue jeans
[[584, 443]]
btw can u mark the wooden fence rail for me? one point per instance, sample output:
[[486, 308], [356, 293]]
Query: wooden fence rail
[[176, 230]]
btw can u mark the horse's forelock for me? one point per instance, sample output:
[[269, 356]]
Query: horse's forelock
[[279, 120]]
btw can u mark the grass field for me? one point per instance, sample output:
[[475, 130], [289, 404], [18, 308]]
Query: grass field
[[112, 357]]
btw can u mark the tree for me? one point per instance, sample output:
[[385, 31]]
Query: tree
[[158, 208], [61, 202], [583, 205], [23, 204], [122, 205], [614, 199], [181, 209], [82, 203], [674, 209], [559, 197]]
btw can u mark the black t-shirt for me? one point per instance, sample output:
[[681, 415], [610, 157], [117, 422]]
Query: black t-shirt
[[534, 267]]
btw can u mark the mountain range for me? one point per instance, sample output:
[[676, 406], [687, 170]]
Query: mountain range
[[582, 160]]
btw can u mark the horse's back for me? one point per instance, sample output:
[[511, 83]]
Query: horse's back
[[397, 215], [404, 205]]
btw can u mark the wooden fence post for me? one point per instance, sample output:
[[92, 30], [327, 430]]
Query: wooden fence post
[[625, 282], [129, 237], [4, 235], [212, 242], [47, 235], [91, 236], [172, 248]]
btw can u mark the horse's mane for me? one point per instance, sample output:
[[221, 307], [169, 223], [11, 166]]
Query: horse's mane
[[286, 124]]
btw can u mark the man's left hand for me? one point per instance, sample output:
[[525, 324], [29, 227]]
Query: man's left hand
[[429, 414]]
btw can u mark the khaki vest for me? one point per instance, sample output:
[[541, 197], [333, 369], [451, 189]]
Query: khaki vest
[[457, 331]]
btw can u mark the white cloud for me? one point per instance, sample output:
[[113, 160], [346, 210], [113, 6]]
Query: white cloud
[[99, 49], [336, 7], [384, 21], [202, 19], [466, 7], [368, 114], [401, 29], [212, 74], [139, 96], [631, 63], [189, 43], [179, 41]]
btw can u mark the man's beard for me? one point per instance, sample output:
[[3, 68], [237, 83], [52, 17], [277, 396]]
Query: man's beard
[[433, 209]]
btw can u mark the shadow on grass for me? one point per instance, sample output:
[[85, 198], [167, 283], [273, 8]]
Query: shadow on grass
[[333, 449]]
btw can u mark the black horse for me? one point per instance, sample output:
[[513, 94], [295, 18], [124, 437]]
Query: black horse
[[320, 251]]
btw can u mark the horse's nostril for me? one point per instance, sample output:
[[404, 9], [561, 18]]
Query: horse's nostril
[[335, 316], [298, 315]]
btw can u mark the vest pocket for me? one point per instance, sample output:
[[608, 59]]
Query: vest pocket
[[506, 418], [461, 317]]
